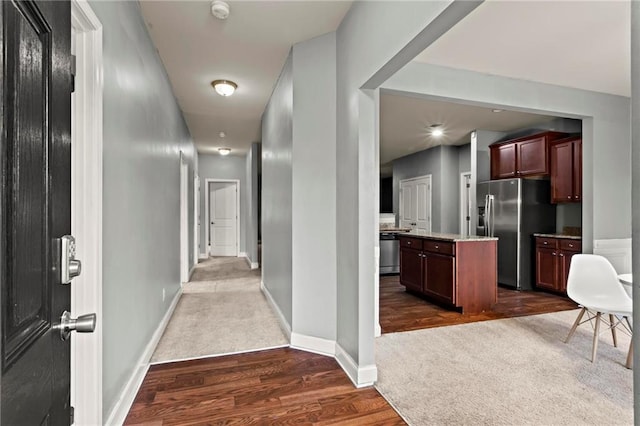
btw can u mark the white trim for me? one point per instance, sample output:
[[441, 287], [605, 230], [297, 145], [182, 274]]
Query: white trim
[[378, 329], [313, 344], [617, 251], [463, 216], [202, 256], [129, 391], [191, 271], [206, 213], [284, 325], [252, 265], [184, 219], [246, 351], [86, 208], [360, 376], [196, 215]]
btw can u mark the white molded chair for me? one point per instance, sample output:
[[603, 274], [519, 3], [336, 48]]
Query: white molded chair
[[593, 284]]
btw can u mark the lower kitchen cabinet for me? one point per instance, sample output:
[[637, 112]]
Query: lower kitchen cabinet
[[553, 260], [461, 274]]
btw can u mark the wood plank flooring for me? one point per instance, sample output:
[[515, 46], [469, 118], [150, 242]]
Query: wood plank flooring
[[278, 386], [401, 311]]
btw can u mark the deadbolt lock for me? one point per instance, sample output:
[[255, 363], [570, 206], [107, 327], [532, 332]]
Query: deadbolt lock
[[70, 267]]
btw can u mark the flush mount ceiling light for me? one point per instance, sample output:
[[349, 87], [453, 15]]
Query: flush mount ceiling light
[[224, 151], [222, 134], [220, 9], [496, 110], [436, 130], [224, 87]]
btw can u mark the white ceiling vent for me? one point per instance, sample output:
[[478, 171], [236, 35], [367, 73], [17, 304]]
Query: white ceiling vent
[[220, 9]]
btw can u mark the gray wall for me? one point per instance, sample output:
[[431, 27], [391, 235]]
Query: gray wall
[[314, 188], [215, 166], [144, 132], [373, 40], [606, 133], [443, 164], [484, 138], [635, 132], [464, 158], [277, 147], [252, 161]]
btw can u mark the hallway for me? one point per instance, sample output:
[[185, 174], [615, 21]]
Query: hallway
[[221, 311]]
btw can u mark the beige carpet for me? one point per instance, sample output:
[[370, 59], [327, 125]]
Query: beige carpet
[[514, 371], [224, 311]]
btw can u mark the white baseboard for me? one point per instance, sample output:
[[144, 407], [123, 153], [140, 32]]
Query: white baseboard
[[252, 265], [284, 325], [617, 251], [313, 344], [193, 268], [378, 330], [202, 256], [360, 376], [128, 393]]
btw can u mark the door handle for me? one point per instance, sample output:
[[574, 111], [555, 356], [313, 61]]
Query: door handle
[[70, 267], [83, 324]]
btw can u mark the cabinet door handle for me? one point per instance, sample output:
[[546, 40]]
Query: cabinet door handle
[[561, 255], [437, 246], [569, 196], [553, 254]]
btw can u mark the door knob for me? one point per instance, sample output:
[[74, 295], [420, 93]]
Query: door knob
[[83, 324]]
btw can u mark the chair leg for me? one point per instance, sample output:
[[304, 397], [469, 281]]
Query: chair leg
[[596, 333], [575, 325], [613, 331]]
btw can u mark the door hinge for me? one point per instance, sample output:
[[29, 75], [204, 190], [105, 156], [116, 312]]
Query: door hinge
[[71, 415], [73, 73], [468, 218], [468, 185]]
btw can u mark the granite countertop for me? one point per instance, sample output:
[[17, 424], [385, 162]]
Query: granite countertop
[[395, 230], [566, 237], [448, 237]]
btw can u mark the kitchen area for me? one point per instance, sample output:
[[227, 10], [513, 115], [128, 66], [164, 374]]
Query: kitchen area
[[483, 222]]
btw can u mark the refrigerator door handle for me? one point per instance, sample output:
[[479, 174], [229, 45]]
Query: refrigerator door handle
[[490, 214], [487, 216]]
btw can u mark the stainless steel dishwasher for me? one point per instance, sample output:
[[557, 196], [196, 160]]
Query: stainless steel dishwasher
[[389, 253]]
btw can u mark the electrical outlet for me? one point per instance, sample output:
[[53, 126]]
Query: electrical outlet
[[164, 294]]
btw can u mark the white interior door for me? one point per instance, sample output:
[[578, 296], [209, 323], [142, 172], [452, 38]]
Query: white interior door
[[223, 215], [415, 203], [184, 224]]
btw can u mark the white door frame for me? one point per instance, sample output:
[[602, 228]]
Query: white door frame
[[206, 213], [184, 220], [464, 223], [86, 212], [196, 216], [401, 206]]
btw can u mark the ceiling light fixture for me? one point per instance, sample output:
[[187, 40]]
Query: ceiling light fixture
[[436, 130], [220, 9], [224, 87], [222, 134], [496, 110], [224, 151]]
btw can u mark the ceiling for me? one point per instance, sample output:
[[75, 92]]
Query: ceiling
[[405, 121], [580, 44], [249, 48]]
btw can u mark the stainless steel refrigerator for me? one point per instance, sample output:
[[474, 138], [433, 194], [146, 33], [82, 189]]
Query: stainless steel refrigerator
[[513, 210]]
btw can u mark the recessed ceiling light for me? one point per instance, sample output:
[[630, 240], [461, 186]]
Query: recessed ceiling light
[[224, 87], [222, 134], [224, 151], [496, 110]]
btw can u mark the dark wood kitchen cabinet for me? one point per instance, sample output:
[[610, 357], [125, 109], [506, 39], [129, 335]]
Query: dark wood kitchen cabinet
[[553, 259], [522, 157], [461, 274], [566, 170]]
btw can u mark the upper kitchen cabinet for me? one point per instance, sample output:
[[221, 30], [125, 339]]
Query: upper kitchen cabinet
[[522, 157], [566, 170]]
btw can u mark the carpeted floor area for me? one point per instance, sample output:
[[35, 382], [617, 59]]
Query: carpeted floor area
[[222, 310], [506, 372]]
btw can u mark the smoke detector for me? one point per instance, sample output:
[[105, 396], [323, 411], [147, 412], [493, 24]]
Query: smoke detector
[[220, 9]]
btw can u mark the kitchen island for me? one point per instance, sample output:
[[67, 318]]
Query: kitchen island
[[451, 269]]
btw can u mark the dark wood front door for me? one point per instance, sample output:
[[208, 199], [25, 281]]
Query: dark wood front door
[[35, 193]]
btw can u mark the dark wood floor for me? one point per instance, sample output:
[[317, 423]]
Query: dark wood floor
[[272, 387], [401, 311]]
